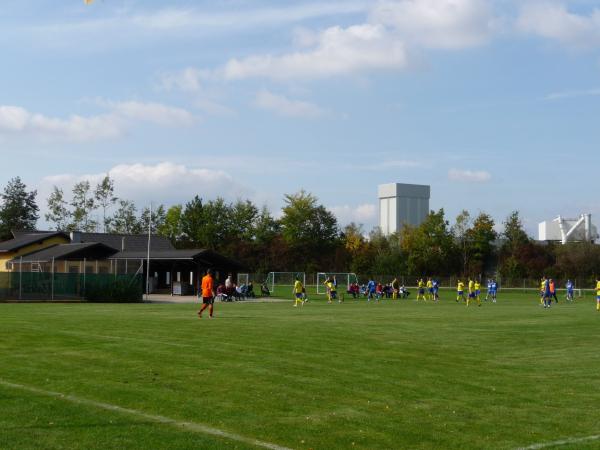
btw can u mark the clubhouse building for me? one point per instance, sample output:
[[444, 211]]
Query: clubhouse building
[[171, 271]]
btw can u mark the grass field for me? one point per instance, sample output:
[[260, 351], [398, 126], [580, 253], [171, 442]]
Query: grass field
[[377, 376]]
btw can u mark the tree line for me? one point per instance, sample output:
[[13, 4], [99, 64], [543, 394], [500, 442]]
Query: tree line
[[307, 236]]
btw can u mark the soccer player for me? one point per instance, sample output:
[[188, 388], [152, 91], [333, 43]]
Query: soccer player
[[421, 290], [598, 294], [331, 290], [298, 293], [429, 289], [478, 292], [460, 291], [553, 290], [489, 289], [436, 290], [570, 290], [472, 293], [542, 290], [547, 294], [494, 290], [370, 290], [395, 288], [208, 294]]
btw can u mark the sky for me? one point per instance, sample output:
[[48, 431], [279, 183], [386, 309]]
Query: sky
[[495, 104]]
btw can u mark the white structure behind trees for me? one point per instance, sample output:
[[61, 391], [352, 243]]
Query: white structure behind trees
[[402, 204], [568, 230]]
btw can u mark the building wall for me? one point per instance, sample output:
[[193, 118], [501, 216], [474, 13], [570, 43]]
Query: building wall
[[5, 257], [401, 204]]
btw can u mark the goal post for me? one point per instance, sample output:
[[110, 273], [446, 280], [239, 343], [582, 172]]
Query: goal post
[[242, 279], [343, 281], [283, 281]]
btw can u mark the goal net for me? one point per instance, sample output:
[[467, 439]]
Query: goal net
[[283, 282], [342, 280]]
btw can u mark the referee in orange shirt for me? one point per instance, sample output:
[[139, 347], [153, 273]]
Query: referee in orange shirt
[[208, 294]]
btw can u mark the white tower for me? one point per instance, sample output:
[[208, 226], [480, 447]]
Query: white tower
[[401, 204]]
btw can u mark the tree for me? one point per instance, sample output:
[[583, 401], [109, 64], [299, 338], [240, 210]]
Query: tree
[[125, 220], [481, 237], [516, 249], [171, 228], [156, 219], [243, 218], [104, 195], [58, 211], [19, 210], [83, 204], [266, 228], [309, 229], [461, 231], [430, 247]]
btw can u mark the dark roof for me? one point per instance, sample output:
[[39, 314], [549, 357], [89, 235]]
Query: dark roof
[[207, 257], [24, 239], [159, 254], [128, 242], [19, 233], [69, 251]]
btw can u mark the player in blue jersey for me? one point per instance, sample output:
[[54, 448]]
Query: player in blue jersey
[[436, 290], [494, 290], [488, 293], [547, 295], [570, 290], [370, 290]]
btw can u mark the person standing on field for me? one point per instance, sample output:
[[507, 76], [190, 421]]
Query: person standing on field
[[208, 294]]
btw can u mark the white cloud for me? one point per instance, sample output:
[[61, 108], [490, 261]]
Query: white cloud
[[164, 182], [552, 20], [469, 176], [446, 24], [122, 27], [339, 51], [389, 165], [564, 95], [156, 113], [365, 213], [283, 106], [15, 120], [187, 80]]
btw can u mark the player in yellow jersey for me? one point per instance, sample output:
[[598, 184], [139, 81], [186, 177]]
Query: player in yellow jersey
[[298, 292], [421, 290], [542, 290], [460, 291], [478, 292], [429, 289], [597, 294], [331, 289], [395, 288], [472, 293]]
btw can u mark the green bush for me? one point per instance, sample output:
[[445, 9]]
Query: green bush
[[122, 289]]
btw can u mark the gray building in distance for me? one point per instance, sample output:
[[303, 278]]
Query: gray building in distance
[[401, 204]]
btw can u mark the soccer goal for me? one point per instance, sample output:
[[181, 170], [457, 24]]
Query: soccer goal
[[283, 281], [242, 279], [343, 280]]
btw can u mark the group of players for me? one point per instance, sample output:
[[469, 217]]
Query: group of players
[[429, 290], [548, 292]]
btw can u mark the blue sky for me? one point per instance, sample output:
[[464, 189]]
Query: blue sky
[[495, 104]]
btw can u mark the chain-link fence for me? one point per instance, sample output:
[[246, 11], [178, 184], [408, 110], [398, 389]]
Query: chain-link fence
[[60, 286]]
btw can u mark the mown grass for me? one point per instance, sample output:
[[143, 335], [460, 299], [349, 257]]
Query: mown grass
[[356, 375]]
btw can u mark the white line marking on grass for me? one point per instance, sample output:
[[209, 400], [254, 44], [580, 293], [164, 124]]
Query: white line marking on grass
[[561, 442], [190, 426]]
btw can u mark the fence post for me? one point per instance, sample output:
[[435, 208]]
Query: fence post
[[84, 264], [20, 278], [52, 294]]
